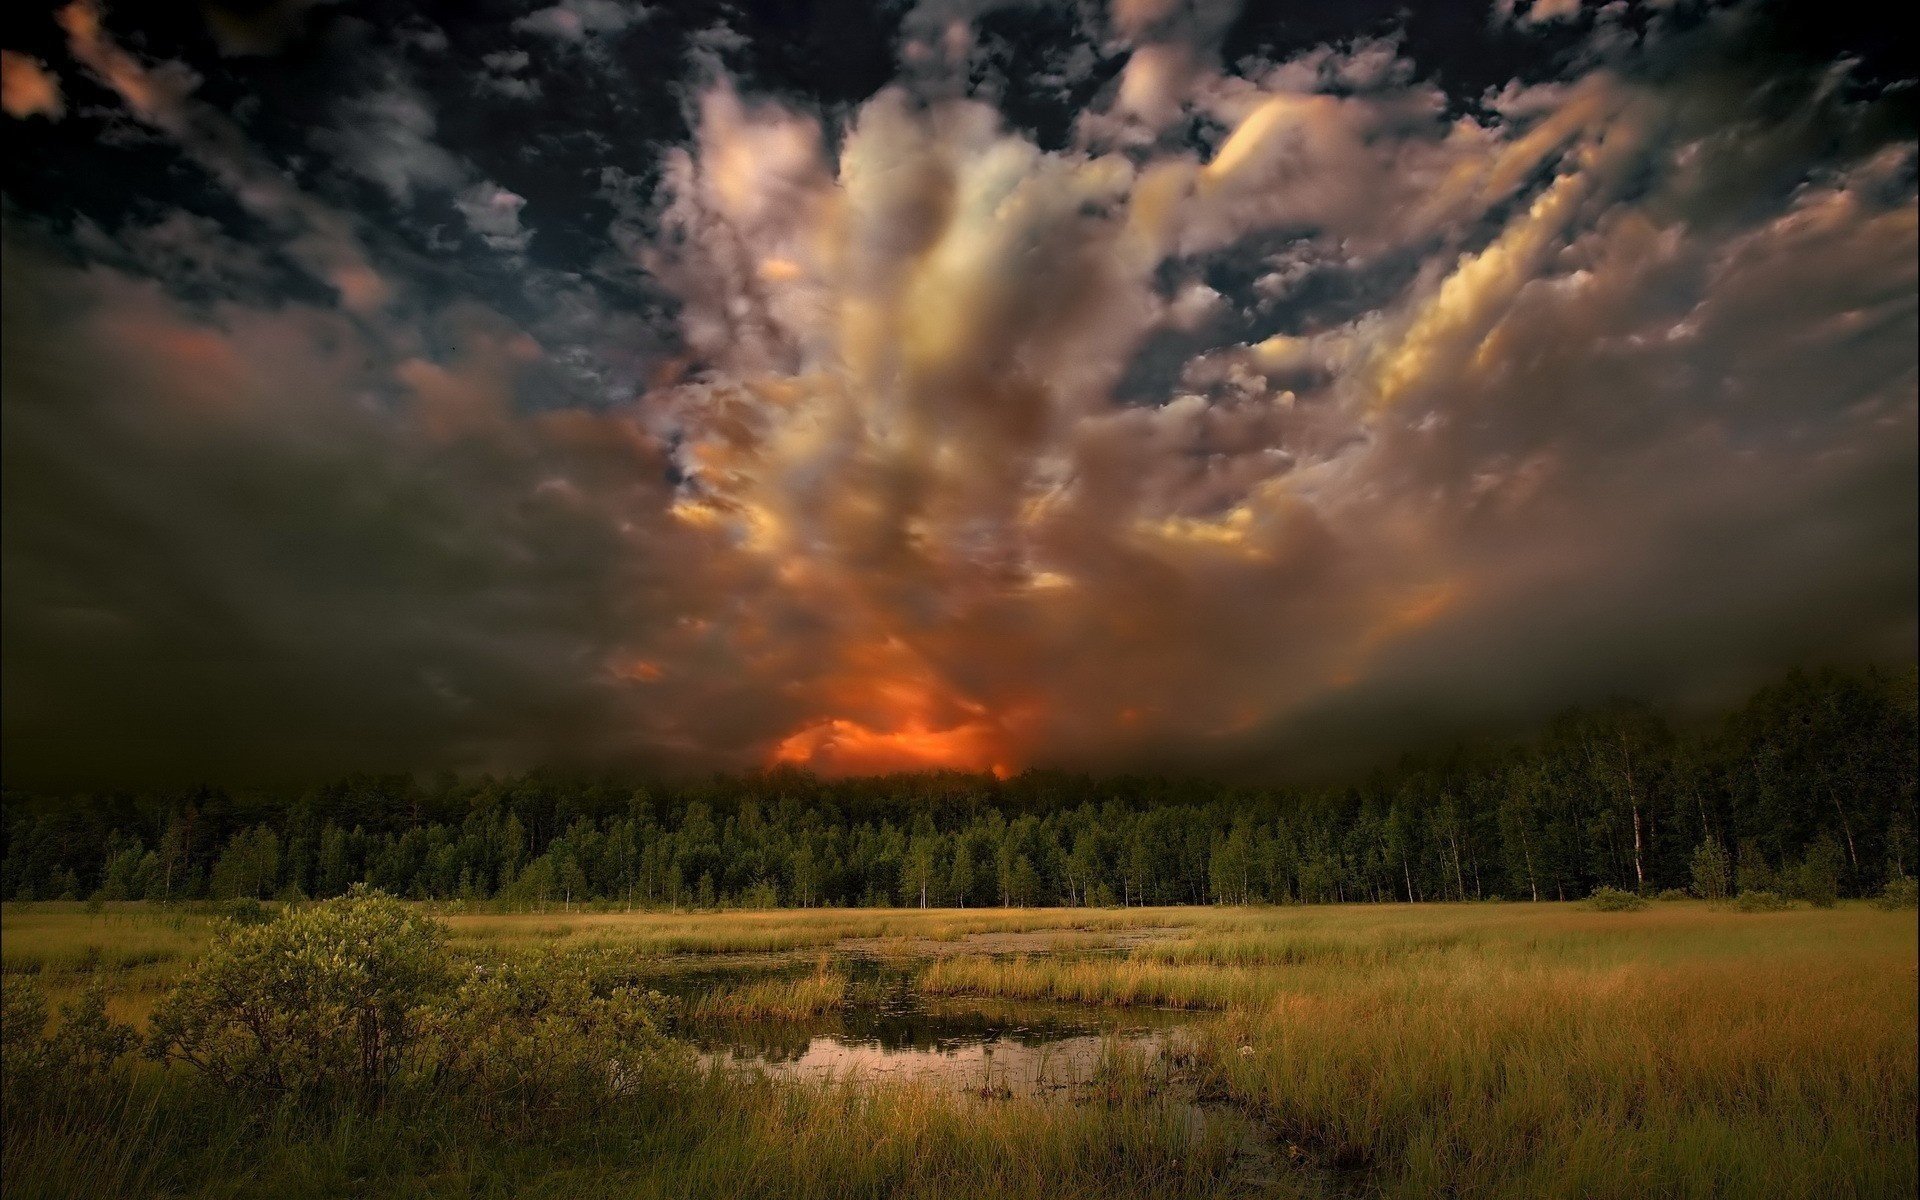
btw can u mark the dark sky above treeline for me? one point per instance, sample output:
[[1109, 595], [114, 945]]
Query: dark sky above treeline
[[1177, 384]]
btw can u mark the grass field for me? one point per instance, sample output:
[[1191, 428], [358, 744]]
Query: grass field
[[1506, 1050]]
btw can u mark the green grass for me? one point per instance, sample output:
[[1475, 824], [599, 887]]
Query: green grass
[[1497, 1050]]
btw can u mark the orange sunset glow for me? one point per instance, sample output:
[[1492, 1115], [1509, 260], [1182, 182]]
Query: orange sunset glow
[[887, 709], [939, 597], [836, 746], [1222, 399]]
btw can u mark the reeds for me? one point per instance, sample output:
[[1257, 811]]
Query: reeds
[[1508, 1050], [775, 999]]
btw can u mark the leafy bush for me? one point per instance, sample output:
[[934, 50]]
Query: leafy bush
[[24, 1055], [1712, 871], [1672, 894], [89, 1042], [317, 1004], [1753, 873], [1817, 879], [347, 1000], [1761, 901], [244, 911], [1612, 899], [1903, 892], [87, 1045], [542, 1034]]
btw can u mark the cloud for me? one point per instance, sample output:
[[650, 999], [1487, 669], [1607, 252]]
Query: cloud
[[1538, 12], [503, 75], [28, 89], [577, 20], [912, 351], [385, 135], [316, 236], [493, 213], [1282, 410], [337, 549]]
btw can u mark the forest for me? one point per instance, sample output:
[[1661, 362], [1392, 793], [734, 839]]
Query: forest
[[1807, 789]]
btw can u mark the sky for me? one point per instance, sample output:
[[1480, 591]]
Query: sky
[[1171, 384]]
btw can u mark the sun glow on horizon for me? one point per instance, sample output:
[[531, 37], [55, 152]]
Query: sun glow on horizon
[[837, 746]]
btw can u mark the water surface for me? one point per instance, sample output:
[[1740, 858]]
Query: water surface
[[981, 1046]]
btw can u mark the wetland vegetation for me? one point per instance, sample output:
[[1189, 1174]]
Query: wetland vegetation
[[1683, 1049]]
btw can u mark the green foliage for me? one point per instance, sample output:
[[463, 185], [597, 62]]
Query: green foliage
[[1817, 879], [246, 911], [89, 1042], [345, 1001], [1670, 894], [1901, 892], [316, 1005], [85, 1046], [1612, 899], [1598, 797], [1761, 901], [24, 1052], [1754, 873], [248, 867], [543, 1033], [1712, 871]]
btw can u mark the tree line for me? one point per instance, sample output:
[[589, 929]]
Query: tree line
[[1813, 776]]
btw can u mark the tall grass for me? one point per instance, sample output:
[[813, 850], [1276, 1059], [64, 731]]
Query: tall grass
[[697, 1135], [774, 999], [1499, 1050], [655, 933], [1090, 981], [1531, 1079], [50, 939]]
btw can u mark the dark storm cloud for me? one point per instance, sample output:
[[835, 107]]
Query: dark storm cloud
[[1169, 383], [276, 546]]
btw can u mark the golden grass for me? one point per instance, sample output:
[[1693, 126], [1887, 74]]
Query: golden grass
[[656, 933], [1499, 1050], [54, 938], [1555, 1078], [139, 949], [775, 999], [721, 1135], [1091, 981]]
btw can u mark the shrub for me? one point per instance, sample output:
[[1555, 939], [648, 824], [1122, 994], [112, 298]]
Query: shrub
[[89, 1042], [1760, 901], [542, 1033], [24, 1055], [1903, 892], [1712, 871], [317, 1004], [1817, 879], [1612, 899], [245, 911], [1754, 873], [87, 1045], [1672, 894]]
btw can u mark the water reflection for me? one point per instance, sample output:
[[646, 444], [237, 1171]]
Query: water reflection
[[980, 1046]]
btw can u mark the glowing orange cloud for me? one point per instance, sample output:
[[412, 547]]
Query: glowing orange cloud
[[888, 710], [837, 746], [27, 88]]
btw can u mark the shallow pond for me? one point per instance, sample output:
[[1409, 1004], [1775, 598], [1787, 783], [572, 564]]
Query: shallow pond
[[981, 1046]]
